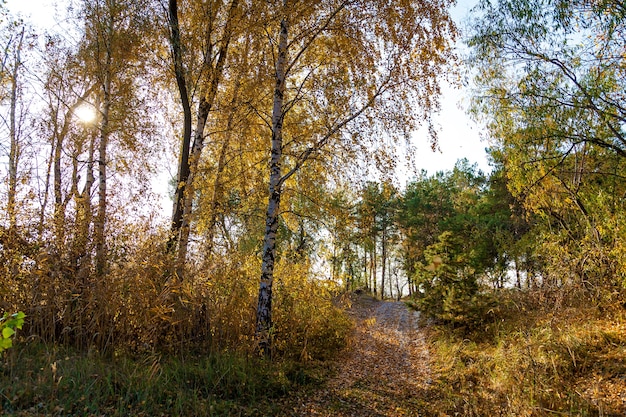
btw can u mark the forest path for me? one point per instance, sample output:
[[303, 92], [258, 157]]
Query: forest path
[[383, 372]]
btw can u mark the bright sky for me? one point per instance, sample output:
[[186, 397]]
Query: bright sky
[[40, 12], [459, 136]]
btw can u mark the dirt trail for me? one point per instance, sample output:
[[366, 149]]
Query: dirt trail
[[384, 371]]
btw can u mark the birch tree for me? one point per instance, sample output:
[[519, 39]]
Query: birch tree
[[213, 41], [14, 69], [368, 66], [112, 50], [16, 121], [66, 87], [15, 143]]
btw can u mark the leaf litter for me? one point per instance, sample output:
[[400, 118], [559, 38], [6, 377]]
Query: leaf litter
[[383, 372]]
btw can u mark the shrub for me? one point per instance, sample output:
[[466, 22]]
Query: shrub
[[543, 358], [8, 324], [448, 289]]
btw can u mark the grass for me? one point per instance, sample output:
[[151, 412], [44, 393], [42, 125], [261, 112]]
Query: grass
[[36, 379], [536, 360], [539, 358]]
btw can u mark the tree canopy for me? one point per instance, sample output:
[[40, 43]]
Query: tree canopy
[[269, 108], [550, 85]]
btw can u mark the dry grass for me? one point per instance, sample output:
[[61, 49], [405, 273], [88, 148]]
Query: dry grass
[[131, 342], [540, 358], [135, 308]]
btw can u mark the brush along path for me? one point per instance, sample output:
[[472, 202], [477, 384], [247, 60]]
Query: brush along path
[[384, 371]]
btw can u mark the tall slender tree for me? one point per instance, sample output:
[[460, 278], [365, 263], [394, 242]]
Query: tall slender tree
[[348, 71], [215, 46], [15, 70], [112, 51]]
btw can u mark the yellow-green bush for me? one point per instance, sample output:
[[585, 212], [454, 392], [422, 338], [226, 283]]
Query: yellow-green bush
[[308, 325]]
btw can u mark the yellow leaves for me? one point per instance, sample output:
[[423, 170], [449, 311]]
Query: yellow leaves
[[307, 324], [435, 264], [292, 221], [162, 312]]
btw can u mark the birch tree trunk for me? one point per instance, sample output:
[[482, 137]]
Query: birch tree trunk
[[218, 186], [59, 201], [383, 250], [84, 217], [373, 268], [185, 192], [183, 163], [365, 270], [393, 69], [194, 159], [57, 144], [264, 308], [99, 224]]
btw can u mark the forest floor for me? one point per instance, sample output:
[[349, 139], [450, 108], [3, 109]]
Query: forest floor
[[383, 372]]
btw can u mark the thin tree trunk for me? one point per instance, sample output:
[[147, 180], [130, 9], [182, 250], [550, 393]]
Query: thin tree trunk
[[14, 153], [46, 191], [264, 308], [374, 266], [218, 190], [59, 206], [218, 185], [60, 203], [183, 239], [518, 278], [384, 261], [183, 164], [204, 108], [390, 278], [365, 270], [333, 260], [84, 217], [99, 225]]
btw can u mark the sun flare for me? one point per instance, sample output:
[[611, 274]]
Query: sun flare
[[85, 113]]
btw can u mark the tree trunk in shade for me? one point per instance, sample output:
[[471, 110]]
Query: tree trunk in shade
[[264, 308]]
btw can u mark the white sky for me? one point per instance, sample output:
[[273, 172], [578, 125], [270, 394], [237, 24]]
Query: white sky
[[459, 136], [40, 12]]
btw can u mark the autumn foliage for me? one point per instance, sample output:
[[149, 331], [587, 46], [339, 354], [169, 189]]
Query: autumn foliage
[[193, 187]]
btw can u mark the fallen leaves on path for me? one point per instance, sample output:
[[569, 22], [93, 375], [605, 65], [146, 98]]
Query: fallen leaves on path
[[383, 372]]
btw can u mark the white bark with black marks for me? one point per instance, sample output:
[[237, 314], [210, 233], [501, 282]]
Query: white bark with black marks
[[264, 308]]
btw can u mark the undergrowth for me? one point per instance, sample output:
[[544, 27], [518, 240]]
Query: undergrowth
[[123, 343], [543, 356], [37, 379]]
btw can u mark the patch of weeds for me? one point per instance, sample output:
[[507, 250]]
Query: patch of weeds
[[41, 379]]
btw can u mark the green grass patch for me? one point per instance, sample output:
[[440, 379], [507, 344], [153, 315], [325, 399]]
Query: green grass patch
[[36, 379]]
